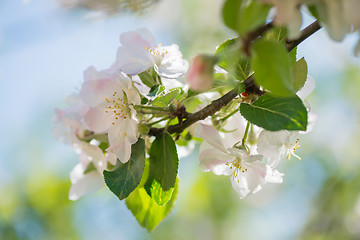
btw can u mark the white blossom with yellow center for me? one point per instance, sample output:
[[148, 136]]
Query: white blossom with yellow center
[[111, 97], [278, 145], [139, 52], [248, 173]]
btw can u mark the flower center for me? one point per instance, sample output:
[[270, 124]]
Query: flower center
[[116, 106], [236, 168], [292, 150], [158, 51]]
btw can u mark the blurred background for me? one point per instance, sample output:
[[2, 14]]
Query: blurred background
[[44, 47]]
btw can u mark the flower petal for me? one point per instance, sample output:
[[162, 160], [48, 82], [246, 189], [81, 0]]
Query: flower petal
[[210, 135], [84, 183], [211, 159]]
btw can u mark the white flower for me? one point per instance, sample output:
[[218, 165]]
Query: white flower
[[278, 145], [139, 52], [111, 97], [87, 176], [84, 183], [69, 124], [248, 173]]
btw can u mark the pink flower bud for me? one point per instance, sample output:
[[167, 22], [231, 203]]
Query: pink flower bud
[[200, 76]]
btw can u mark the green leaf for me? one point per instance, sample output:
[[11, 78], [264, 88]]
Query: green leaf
[[243, 16], [278, 34], [149, 78], [163, 161], [156, 90], [155, 191], [276, 113], [300, 71], [146, 211], [272, 67], [125, 177], [165, 99], [230, 59]]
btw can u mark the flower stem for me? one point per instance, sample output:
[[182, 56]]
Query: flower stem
[[160, 120], [230, 114], [246, 133]]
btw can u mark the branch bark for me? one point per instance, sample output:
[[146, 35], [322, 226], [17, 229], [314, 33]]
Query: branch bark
[[250, 86]]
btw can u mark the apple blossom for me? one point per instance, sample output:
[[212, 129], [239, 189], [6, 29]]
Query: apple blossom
[[139, 52], [111, 98], [69, 122], [218, 154]]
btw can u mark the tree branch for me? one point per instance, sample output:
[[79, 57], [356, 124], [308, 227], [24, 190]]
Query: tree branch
[[250, 87]]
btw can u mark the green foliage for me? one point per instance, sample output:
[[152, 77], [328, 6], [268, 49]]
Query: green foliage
[[156, 90], [276, 113], [146, 211], [243, 16], [155, 191], [163, 100], [272, 67], [125, 177], [300, 71], [230, 59], [149, 78], [163, 161]]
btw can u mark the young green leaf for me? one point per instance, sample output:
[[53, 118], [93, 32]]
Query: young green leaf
[[155, 191], [243, 16], [149, 78], [300, 71], [164, 161], [166, 99], [276, 113], [146, 211], [272, 67], [125, 177], [230, 59]]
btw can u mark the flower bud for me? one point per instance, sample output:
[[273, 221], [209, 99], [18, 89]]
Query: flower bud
[[200, 76]]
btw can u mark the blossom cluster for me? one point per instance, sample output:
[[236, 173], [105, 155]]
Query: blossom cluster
[[117, 106], [101, 122]]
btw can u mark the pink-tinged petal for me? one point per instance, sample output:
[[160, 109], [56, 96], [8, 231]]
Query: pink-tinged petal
[[214, 160], [133, 60], [200, 76], [141, 37], [84, 183], [210, 135], [97, 119], [97, 85], [309, 86]]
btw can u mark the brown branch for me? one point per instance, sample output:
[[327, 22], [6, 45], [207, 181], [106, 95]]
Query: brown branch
[[305, 33], [250, 87]]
